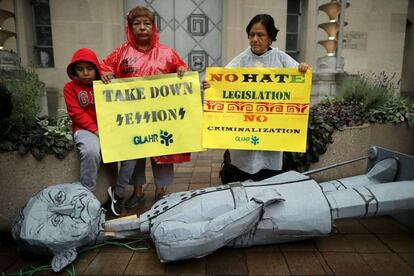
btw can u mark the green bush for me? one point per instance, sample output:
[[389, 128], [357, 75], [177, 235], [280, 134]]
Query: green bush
[[371, 91], [25, 88], [24, 131]]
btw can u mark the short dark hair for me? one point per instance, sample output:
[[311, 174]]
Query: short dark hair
[[73, 68], [267, 21]]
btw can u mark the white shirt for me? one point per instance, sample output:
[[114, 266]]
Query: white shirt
[[252, 161]]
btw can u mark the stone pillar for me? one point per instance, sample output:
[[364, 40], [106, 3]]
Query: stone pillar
[[329, 69], [333, 62], [325, 84]]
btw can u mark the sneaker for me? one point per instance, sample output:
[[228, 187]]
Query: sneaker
[[116, 201], [134, 200]]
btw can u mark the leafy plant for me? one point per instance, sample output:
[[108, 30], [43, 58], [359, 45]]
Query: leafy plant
[[324, 119], [395, 110], [45, 136]]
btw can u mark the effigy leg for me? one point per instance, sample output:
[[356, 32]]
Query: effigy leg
[[372, 200], [384, 171]]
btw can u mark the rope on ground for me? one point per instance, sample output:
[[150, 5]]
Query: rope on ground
[[129, 244]]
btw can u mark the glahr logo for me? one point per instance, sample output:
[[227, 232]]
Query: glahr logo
[[164, 138], [247, 139]]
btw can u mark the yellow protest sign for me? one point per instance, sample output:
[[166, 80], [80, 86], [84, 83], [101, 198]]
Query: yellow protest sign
[[148, 116], [256, 109]]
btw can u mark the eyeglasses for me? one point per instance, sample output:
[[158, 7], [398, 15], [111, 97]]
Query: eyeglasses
[[251, 35]]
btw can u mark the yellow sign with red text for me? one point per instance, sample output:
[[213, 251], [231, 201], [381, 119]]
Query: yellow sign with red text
[[256, 109], [148, 116]]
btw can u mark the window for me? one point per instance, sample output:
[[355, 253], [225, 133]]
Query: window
[[43, 47], [292, 28]]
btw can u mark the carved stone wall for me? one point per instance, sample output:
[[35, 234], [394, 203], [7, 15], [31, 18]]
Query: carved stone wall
[[192, 28]]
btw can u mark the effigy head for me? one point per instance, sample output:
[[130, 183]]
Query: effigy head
[[59, 219]]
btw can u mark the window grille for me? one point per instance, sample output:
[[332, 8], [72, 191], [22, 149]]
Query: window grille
[[43, 44], [292, 28]]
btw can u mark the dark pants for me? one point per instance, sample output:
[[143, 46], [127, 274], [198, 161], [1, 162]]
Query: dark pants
[[230, 173]]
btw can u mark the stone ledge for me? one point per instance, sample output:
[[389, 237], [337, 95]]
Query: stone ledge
[[23, 176]]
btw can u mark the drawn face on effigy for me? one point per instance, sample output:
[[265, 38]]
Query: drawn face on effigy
[[60, 217]]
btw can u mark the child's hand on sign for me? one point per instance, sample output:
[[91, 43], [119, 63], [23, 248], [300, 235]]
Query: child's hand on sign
[[107, 77]]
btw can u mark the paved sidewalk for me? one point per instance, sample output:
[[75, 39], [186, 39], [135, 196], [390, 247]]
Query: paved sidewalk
[[373, 246]]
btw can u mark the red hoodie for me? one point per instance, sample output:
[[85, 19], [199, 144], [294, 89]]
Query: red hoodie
[[129, 61], [79, 97]]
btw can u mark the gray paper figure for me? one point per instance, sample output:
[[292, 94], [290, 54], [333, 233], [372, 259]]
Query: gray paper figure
[[287, 207], [59, 219]]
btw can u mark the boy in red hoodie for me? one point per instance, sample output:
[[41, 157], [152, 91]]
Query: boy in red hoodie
[[83, 69]]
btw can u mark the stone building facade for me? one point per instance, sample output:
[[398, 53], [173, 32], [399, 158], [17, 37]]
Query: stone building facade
[[378, 33]]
